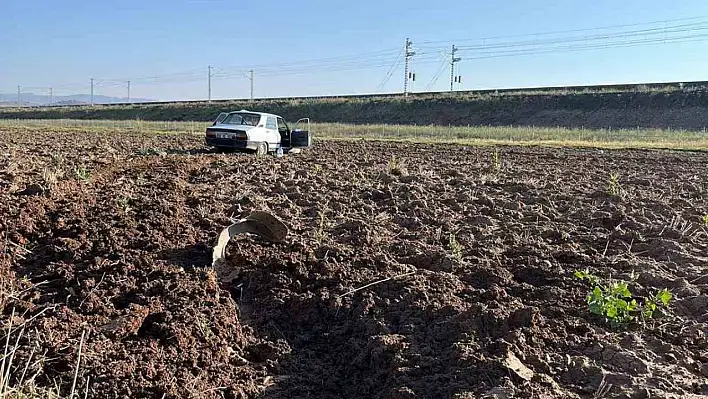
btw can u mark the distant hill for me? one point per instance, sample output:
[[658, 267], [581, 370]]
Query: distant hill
[[30, 99], [13, 104]]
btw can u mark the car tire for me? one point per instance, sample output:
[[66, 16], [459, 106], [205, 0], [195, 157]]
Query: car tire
[[262, 149]]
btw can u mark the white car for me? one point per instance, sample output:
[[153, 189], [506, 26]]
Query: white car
[[257, 131]]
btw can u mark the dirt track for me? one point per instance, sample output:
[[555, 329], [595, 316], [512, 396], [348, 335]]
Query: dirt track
[[481, 256]]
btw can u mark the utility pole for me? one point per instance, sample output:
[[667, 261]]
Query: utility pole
[[409, 53], [209, 83], [251, 77], [91, 91], [51, 96], [453, 61], [19, 95], [128, 82]]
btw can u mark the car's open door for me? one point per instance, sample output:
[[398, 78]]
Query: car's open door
[[300, 138]]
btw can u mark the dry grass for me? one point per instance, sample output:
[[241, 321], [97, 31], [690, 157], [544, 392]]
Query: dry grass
[[465, 135], [17, 380]]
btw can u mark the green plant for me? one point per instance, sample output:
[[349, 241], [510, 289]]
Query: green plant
[[456, 247], [320, 233], [124, 203], [81, 173], [661, 298], [396, 166], [615, 302], [496, 161], [613, 185], [704, 219], [151, 151], [50, 177]]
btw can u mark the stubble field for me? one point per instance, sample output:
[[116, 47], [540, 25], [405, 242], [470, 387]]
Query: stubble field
[[107, 286]]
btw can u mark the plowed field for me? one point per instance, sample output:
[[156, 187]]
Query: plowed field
[[409, 271]]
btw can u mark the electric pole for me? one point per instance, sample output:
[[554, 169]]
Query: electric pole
[[128, 82], [51, 95], [19, 95], [409, 53], [453, 61], [92, 91], [251, 77], [209, 98]]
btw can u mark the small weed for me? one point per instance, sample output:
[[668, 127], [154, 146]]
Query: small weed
[[496, 161], [124, 203], [704, 219], [396, 166], [613, 185], [615, 302], [151, 151], [456, 247], [320, 234], [205, 328], [202, 211], [58, 160], [50, 177], [318, 168], [81, 173]]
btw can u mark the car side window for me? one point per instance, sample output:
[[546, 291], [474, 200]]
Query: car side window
[[282, 126], [270, 123]]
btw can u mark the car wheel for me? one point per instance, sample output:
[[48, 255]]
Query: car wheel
[[262, 149]]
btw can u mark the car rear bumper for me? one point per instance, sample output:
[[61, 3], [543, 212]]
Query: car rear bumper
[[231, 143]]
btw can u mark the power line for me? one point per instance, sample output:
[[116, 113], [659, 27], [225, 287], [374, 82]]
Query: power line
[[572, 39], [389, 74], [673, 31], [559, 49], [435, 77], [607, 27], [379, 54]]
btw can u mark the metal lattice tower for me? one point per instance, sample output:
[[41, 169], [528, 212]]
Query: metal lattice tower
[[453, 61], [409, 53]]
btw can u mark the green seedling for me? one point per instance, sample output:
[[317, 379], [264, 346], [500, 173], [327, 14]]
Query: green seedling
[[456, 247], [616, 303], [81, 173], [496, 161], [124, 203], [396, 166], [704, 219], [320, 233], [613, 185]]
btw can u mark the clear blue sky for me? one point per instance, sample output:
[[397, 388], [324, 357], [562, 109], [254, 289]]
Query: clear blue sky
[[48, 43]]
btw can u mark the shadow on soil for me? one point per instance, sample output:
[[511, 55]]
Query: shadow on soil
[[377, 343]]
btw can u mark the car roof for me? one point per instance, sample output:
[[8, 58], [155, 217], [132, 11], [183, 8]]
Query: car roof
[[255, 112]]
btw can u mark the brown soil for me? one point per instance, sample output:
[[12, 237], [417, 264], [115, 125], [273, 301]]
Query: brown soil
[[481, 297]]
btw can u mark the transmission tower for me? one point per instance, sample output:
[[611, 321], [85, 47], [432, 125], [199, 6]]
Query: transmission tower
[[250, 77], [210, 75], [409, 53], [453, 61]]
